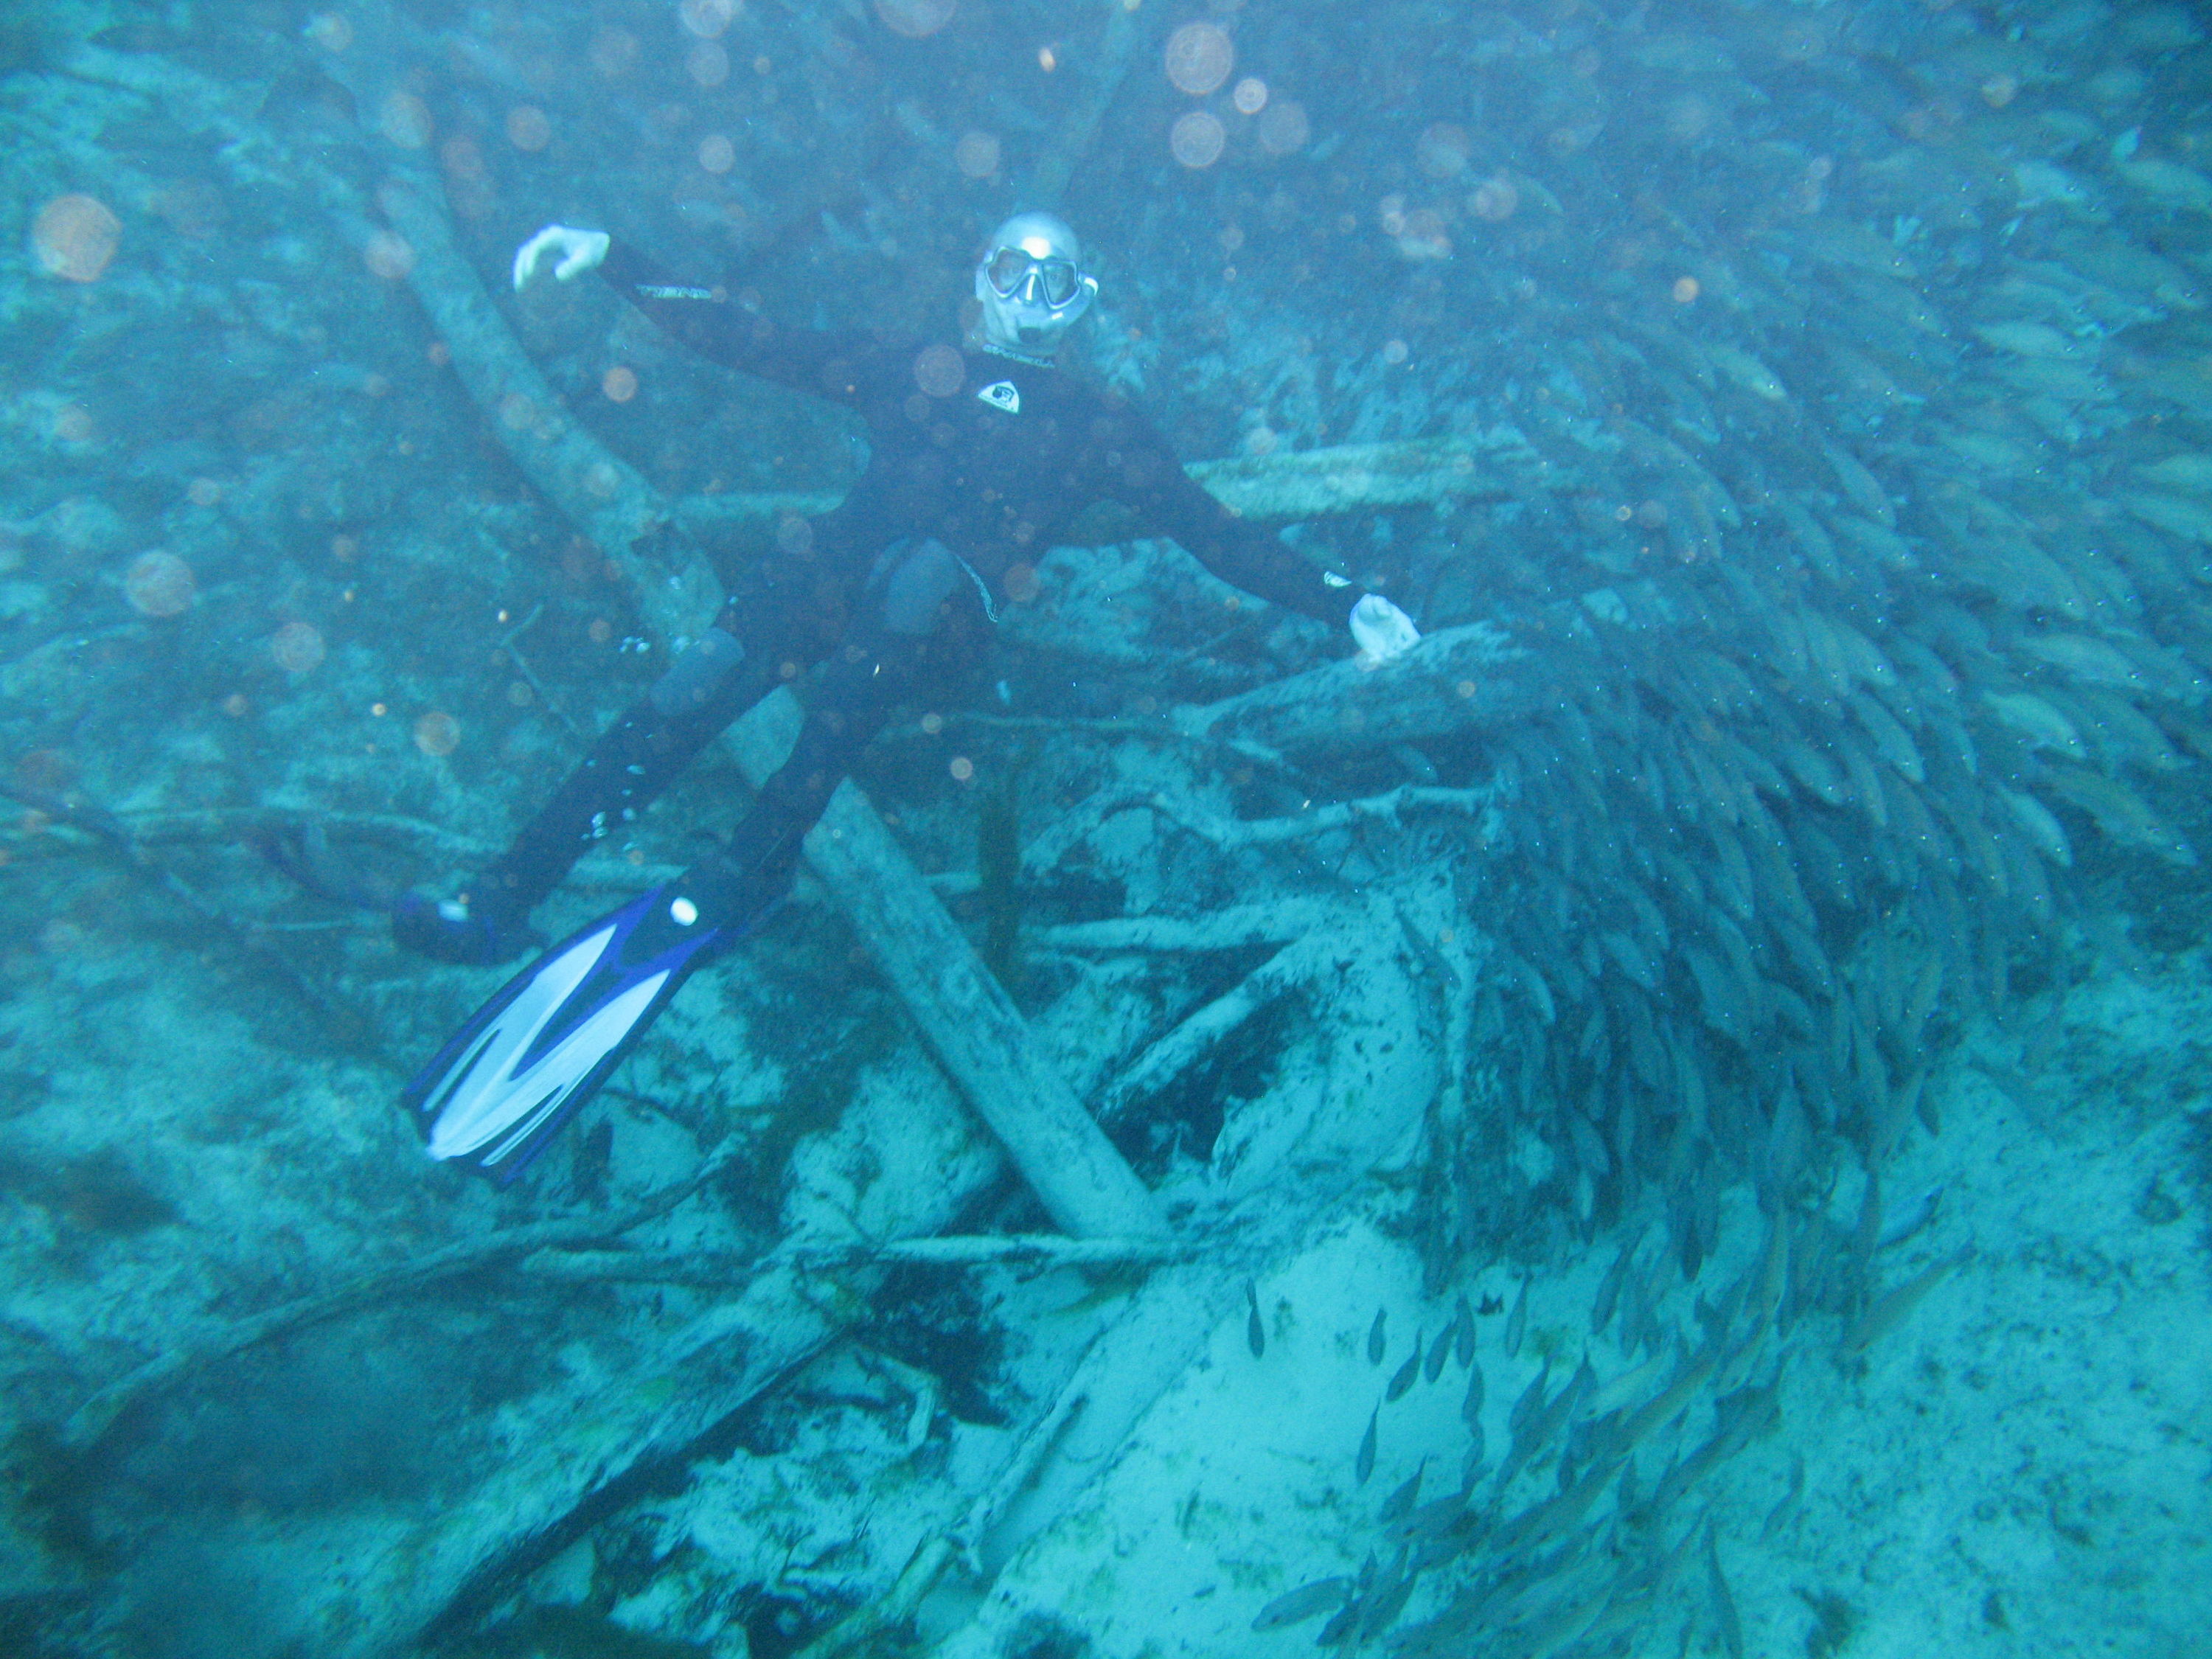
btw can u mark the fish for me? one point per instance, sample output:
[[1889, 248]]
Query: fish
[[1915, 1217], [1337, 1631], [1430, 1520], [1892, 1309], [1364, 1464], [1400, 1502], [1724, 1612], [2120, 812], [1438, 1352], [1532, 1399], [1386, 1600], [1517, 1322], [1780, 1515], [2036, 721], [1470, 1405], [1402, 1378], [1463, 1332], [1376, 1340], [1609, 1289], [1255, 1334], [1748, 372], [1294, 1607]]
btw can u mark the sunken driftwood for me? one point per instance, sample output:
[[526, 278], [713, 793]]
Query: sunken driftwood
[[1287, 487]]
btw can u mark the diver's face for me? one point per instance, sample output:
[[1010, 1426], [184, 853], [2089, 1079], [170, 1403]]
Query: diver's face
[[1029, 297]]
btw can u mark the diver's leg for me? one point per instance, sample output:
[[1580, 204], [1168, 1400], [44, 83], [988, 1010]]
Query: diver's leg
[[898, 646], [762, 637]]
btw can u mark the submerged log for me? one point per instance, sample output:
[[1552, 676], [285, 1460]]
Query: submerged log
[[1453, 680]]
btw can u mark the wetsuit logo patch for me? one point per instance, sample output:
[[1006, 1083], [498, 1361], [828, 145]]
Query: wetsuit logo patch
[[1001, 394]]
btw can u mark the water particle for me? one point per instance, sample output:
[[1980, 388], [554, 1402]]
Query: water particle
[[1283, 128], [437, 733], [527, 129], [707, 18], [1199, 57], [388, 255], [915, 18], [159, 584], [708, 64], [976, 155], [1197, 139], [940, 370], [298, 647], [75, 237]]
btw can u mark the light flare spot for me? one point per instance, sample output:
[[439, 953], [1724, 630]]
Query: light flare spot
[[1443, 150], [1199, 57], [1197, 139], [1394, 352], [1283, 128], [437, 733], [707, 18], [932, 724], [388, 255], [1021, 583], [75, 237], [717, 153], [708, 64], [203, 492], [1685, 289], [527, 128], [917, 20], [73, 424], [976, 155], [329, 31], [1494, 200], [940, 370], [619, 383], [963, 769], [1250, 96], [406, 120], [298, 647], [614, 52], [159, 584]]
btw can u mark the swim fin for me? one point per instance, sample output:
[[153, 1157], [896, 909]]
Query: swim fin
[[511, 1077]]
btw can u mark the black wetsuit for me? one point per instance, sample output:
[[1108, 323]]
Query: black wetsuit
[[978, 462]]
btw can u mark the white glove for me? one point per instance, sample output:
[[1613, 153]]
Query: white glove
[[579, 250], [1382, 630]]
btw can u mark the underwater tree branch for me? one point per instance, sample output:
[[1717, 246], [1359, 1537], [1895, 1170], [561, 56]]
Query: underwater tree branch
[[91, 1421]]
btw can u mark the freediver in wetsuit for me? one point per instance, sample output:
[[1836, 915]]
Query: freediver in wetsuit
[[980, 454]]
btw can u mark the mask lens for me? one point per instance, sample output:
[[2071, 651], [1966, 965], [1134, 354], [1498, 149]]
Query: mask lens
[[1011, 270], [1058, 281], [1007, 268]]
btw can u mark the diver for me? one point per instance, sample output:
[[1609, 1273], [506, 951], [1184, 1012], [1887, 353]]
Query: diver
[[980, 454]]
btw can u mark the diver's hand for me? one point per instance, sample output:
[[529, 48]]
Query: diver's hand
[[579, 250], [1382, 630]]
